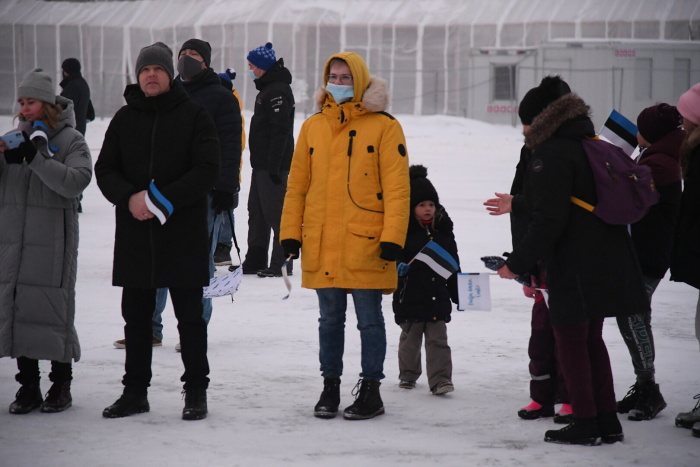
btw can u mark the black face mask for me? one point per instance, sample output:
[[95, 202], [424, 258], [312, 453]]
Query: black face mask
[[188, 67]]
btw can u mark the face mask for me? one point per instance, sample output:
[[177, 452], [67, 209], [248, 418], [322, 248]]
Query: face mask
[[341, 92], [252, 74], [188, 67]]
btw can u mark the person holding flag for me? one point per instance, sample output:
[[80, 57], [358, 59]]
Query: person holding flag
[[427, 283]]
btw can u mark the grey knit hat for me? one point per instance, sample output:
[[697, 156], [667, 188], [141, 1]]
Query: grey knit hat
[[156, 54], [37, 85]]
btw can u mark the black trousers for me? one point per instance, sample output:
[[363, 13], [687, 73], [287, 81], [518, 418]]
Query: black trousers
[[137, 310], [29, 371]]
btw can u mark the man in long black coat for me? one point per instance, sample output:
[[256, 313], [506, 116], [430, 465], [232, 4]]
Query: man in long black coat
[[75, 88]]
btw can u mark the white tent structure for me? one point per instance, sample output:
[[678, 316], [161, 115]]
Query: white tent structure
[[473, 58]]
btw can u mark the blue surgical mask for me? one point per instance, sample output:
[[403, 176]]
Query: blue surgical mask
[[252, 75], [341, 92]]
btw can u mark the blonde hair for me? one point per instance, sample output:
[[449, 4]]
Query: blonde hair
[[49, 114]]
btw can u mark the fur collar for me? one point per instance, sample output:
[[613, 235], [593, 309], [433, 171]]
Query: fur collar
[[553, 116], [375, 97]]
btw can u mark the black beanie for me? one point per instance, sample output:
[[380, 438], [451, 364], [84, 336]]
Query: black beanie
[[71, 66], [655, 122], [537, 99], [200, 46], [421, 188]]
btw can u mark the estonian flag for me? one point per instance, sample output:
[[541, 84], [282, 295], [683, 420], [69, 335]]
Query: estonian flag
[[158, 204], [438, 259], [620, 132]]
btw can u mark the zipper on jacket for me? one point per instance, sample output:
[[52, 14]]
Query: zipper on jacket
[[352, 135]]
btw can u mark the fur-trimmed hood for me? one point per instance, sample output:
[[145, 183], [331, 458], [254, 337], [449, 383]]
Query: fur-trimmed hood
[[553, 116]]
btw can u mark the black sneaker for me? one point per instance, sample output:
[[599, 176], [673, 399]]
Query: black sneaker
[[58, 398], [195, 404], [269, 272], [222, 255], [583, 431], [368, 403], [128, 404], [27, 399], [407, 384], [532, 412], [327, 406], [630, 400], [649, 403]]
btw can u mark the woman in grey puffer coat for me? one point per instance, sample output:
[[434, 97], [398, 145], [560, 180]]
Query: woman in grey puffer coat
[[39, 184]]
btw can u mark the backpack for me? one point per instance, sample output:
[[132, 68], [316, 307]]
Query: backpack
[[625, 189]]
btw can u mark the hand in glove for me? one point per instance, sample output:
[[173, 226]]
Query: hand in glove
[[291, 247], [274, 176], [402, 269], [221, 201], [390, 251]]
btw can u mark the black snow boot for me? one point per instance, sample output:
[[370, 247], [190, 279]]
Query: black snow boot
[[195, 404], [58, 398], [27, 399], [649, 403], [630, 400], [368, 403], [610, 428], [582, 431], [327, 406], [130, 403]]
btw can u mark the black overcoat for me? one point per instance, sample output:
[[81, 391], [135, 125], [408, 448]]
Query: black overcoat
[[170, 140]]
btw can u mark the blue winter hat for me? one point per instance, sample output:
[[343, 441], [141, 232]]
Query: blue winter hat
[[263, 57], [229, 75]]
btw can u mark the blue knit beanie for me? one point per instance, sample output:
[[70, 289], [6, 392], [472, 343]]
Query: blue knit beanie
[[263, 57]]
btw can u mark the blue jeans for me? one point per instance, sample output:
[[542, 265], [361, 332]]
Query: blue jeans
[[331, 331], [225, 236], [214, 224]]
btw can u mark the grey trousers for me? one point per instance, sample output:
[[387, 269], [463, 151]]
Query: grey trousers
[[438, 355]]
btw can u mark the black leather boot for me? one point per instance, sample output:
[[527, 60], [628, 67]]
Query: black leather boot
[[583, 431], [58, 398], [327, 406], [130, 403], [368, 402], [27, 399], [195, 404]]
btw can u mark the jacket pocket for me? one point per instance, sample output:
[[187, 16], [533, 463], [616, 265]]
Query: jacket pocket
[[362, 248], [311, 247]]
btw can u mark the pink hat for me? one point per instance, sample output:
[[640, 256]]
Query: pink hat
[[689, 104]]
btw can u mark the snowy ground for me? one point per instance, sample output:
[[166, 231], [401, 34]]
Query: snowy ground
[[264, 366]]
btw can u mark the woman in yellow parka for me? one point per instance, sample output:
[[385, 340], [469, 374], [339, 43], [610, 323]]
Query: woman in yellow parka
[[347, 207]]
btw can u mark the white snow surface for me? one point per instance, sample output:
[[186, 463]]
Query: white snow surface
[[263, 354]]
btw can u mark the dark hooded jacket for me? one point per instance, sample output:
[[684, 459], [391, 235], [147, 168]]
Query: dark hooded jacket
[[271, 134], [591, 267], [76, 89], [423, 295], [170, 140]]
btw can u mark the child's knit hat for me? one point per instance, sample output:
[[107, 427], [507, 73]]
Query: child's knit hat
[[421, 188]]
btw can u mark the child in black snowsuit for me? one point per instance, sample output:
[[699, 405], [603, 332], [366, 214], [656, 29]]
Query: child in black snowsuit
[[421, 302]]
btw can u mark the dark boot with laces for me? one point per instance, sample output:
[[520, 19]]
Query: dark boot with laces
[[27, 399], [130, 403], [583, 431], [630, 400], [610, 428], [58, 398], [327, 406], [368, 402], [195, 404], [649, 403]]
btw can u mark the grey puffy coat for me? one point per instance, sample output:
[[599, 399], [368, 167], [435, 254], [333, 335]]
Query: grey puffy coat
[[39, 245]]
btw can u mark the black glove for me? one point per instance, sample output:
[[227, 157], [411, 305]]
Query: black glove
[[17, 155], [291, 247], [274, 176], [390, 251], [221, 201]]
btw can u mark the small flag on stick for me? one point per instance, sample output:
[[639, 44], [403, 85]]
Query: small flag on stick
[[438, 259], [620, 131]]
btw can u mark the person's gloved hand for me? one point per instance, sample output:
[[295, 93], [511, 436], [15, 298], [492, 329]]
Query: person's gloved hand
[[291, 247], [17, 155], [402, 269], [274, 176], [390, 251], [221, 201]]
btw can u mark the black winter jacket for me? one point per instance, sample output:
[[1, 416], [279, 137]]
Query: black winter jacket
[[271, 134], [76, 89], [206, 89], [591, 267], [172, 141], [423, 295]]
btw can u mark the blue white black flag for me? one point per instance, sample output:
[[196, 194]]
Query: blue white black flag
[[620, 131], [438, 259]]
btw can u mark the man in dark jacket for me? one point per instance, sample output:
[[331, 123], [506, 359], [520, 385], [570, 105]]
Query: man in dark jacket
[[76, 89], [159, 162], [271, 143]]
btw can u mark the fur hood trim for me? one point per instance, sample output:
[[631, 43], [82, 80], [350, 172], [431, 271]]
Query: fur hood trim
[[375, 97], [553, 116]]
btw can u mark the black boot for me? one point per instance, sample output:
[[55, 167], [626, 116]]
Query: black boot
[[582, 431], [610, 428], [649, 403], [630, 400], [58, 398], [27, 399], [327, 406], [130, 403], [195, 404], [368, 402]]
